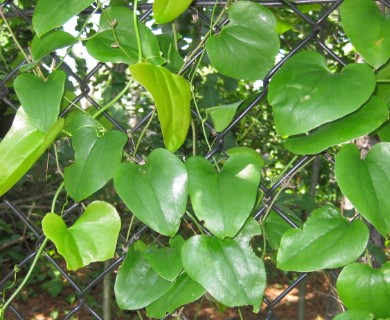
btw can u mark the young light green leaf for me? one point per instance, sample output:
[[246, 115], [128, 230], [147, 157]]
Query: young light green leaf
[[371, 39], [184, 291], [22, 147], [223, 115], [137, 284], [354, 314], [94, 166], [225, 199], [327, 240], [296, 92], [50, 14], [123, 47], [356, 124], [167, 261], [167, 10], [230, 272], [56, 39], [172, 95], [92, 237], [364, 288], [241, 50], [43, 111], [157, 192], [366, 183]]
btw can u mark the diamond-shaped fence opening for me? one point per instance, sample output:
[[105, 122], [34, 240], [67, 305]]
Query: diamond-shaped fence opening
[[83, 292]]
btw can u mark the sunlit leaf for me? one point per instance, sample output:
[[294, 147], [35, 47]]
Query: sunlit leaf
[[366, 183], [167, 10], [296, 92], [354, 314], [327, 238], [92, 237], [223, 115]]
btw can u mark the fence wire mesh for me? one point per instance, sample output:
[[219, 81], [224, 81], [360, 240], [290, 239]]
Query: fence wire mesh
[[23, 214]]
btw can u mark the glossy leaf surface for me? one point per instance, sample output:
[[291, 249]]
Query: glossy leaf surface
[[296, 92], [92, 237], [366, 182], [361, 122], [22, 147], [223, 115], [364, 288], [157, 192], [231, 273], [95, 164], [371, 39], [57, 39], [246, 47], [172, 96], [137, 284], [327, 238], [225, 199], [104, 47], [43, 111], [185, 290], [50, 14], [167, 10]]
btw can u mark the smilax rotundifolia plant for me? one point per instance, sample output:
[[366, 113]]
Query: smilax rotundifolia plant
[[314, 108]]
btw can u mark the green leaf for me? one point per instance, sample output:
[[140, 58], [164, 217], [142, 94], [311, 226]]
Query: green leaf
[[43, 111], [250, 229], [56, 39], [22, 147], [224, 200], [167, 10], [240, 50], [364, 288], [157, 192], [169, 50], [327, 240], [354, 314], [356, 124], [167, 261], [384, 132], [104, 47], [231, 273], [92, 237], [172, 95], [184, 291], [50, 14], [95, 164], [137, 284], [366, 183], [383, 84], [223, 115], [296, 92], [371, 39]]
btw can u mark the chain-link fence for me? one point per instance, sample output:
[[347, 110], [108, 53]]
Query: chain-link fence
[[20, 207]]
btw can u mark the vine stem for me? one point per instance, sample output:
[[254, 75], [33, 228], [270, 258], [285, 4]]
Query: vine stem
[[137, 31], [143, 133], [33, 264]]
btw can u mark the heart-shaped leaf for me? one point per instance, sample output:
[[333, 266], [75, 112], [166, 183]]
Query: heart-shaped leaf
[[92, 237], [96, 158], [225, 199], [354, 314], [122, 47], [167, 10], [327, 238], [231, 273], [223, 115], [245, 48], [296, 92], [366, 183], [57, 39], [371, 38], [157, 192], [184, 291], [137, 284], [361, 122], [50, 14], [167, 261], [364, 288], [22, 147], [43, 111], [172, 95]]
